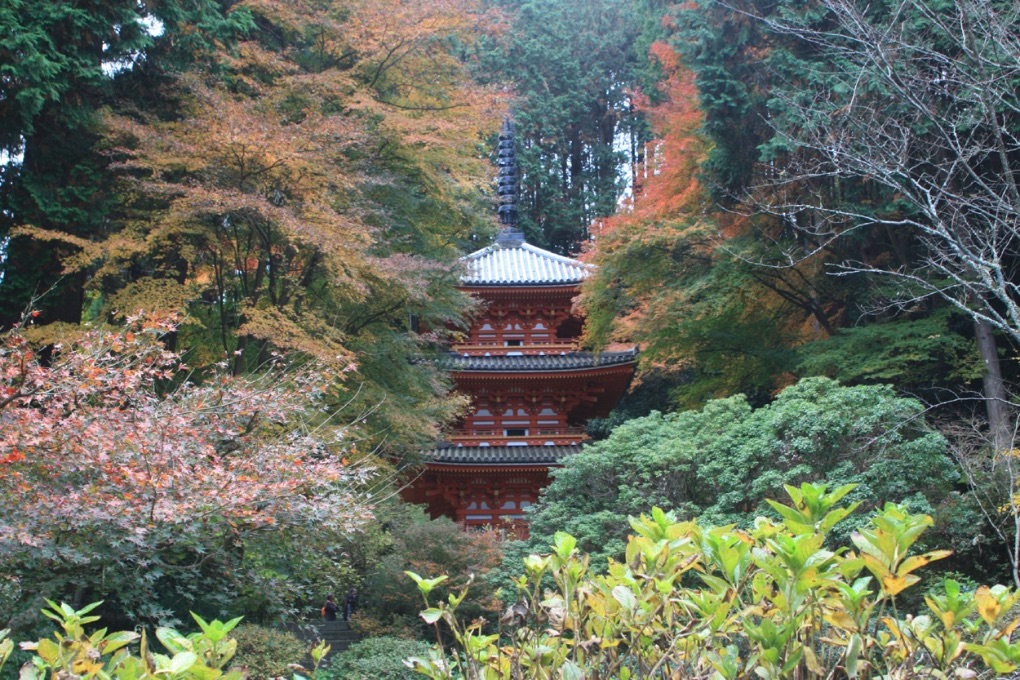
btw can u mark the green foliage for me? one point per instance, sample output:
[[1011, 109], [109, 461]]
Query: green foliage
[[407, 540], [73, 652], [62, 62], [769, 602], [719, 463], [287, 575], [906, 352], [377, 658], [571, 63], [266, 652]]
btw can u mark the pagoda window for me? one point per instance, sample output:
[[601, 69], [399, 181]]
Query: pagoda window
[[516, 432], [513, 343], [571, 328]]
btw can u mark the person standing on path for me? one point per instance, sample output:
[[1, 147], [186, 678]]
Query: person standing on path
[[350, 603], [330, 609]]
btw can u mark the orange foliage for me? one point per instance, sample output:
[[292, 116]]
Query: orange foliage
[[666, 276], [265, 174], [668, 206]]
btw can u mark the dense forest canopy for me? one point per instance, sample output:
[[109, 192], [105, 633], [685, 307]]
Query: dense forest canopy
[[236, 225]]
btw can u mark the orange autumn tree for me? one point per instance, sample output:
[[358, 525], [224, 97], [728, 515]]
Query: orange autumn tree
[[667, 276], [311, 191]]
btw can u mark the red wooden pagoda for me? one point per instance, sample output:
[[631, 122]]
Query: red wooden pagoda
[[532, 388]]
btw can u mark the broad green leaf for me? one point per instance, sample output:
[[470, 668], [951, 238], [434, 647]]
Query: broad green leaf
[[115, 641], [182, 661], [625, 597]]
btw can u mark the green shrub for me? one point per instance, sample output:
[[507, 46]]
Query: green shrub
[[389, 603], [73, 652], [719, 464], [770, 602], [380, 658], [266, 652]]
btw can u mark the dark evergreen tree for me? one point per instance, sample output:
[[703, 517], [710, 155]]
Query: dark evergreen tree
[[574, 65], [61, 62]]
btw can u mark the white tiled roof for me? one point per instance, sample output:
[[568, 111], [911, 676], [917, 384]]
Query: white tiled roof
[[521, 264]]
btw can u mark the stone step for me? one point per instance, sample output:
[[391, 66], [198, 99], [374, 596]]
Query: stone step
[[337, 634]]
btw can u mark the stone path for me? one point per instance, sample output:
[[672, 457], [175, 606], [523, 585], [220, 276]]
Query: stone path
[[337, 634]]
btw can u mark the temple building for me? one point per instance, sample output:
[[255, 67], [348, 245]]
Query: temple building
[[532, 388]]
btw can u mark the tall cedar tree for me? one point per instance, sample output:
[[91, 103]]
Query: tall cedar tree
[[572, 64], [664, 281], [58, 61]]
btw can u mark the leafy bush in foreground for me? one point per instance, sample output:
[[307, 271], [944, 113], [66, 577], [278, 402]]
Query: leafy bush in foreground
[[74, 654], [265, 652], [769, 602], [378, 658]]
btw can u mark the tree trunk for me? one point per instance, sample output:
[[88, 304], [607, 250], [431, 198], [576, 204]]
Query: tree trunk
[[994, 387]]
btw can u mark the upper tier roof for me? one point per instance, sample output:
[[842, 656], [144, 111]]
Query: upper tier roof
[[514, 262]]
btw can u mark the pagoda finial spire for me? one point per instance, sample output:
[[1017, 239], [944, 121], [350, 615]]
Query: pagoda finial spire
[[507, 189]]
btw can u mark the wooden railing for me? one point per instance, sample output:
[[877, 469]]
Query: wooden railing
[[530, 349], [533, 432], [559, 439]]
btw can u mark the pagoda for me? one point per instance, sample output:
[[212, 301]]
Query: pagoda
[[532, 389]]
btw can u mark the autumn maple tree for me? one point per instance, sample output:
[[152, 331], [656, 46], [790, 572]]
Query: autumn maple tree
[[133, 480], [687, 280], [307, 185]]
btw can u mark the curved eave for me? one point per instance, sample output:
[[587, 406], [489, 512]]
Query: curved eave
[[544, 293], [521, 364], [497, 457], [469, 468], [531, 287], [538, 373]]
